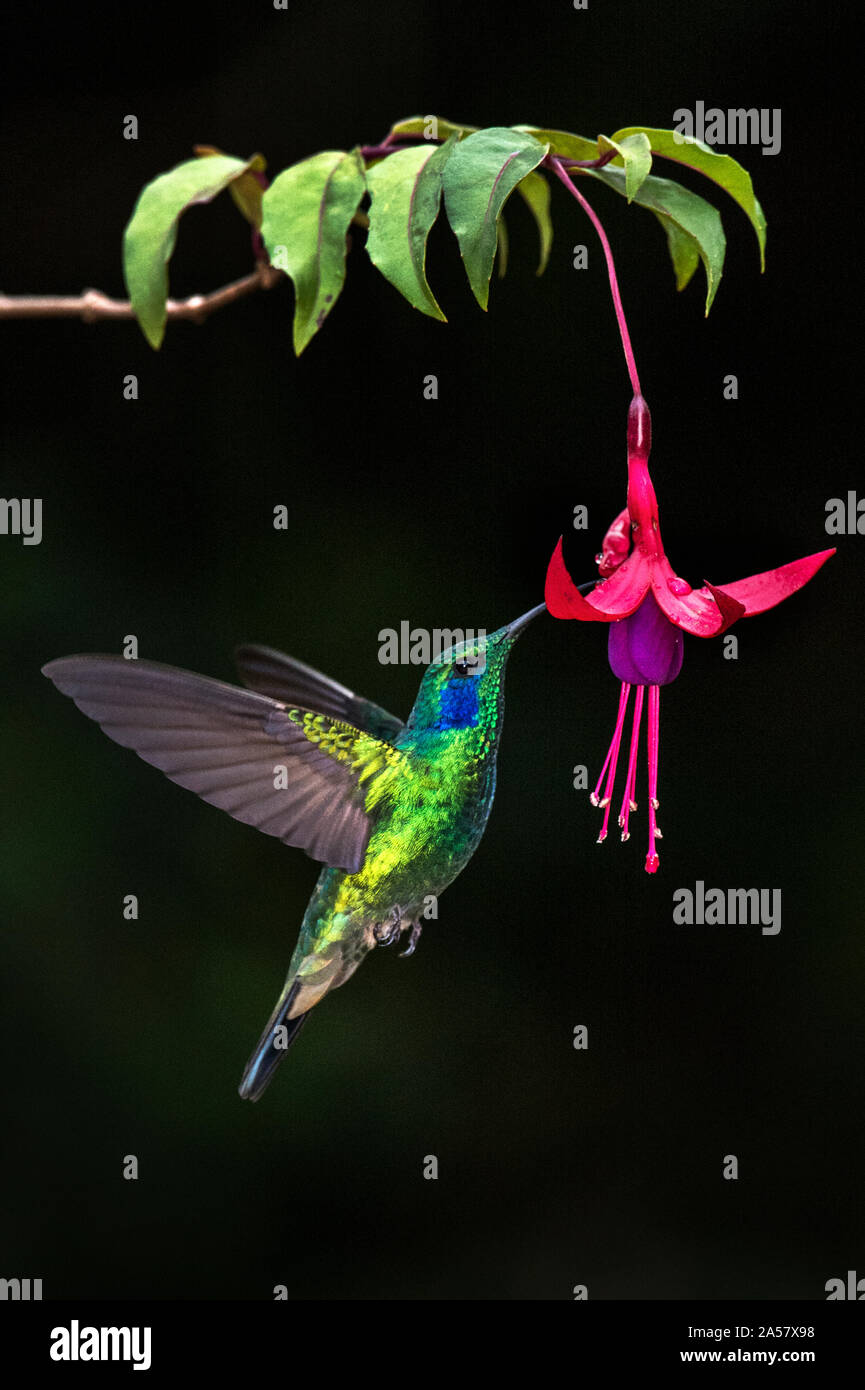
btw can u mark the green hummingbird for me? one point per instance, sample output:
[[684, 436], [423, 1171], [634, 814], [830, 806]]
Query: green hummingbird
[[393, 811]]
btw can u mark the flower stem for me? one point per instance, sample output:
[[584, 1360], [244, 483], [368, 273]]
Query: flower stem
[[385, 148], [561, 173]]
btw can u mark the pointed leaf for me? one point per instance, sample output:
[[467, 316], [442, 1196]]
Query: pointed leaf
[[247, 189], [535, 190], [151, 233], [635, 153], [307, 211], [479, 176], [419, 125], [692, 216], [683, 251], [721, 168], [406, 195], [563, 142]]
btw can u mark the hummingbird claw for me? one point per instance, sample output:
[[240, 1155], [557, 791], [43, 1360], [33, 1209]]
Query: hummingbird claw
[[386, 935], [413, 940]]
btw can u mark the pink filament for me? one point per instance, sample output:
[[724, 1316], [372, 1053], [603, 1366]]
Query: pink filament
[[652, 860], [623, 699], [628, 802], [613, 758]]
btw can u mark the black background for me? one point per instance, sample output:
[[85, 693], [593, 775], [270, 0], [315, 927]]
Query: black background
[[557, 1167]]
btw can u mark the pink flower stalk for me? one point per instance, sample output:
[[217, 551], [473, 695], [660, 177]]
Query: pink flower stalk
[[649, 607]]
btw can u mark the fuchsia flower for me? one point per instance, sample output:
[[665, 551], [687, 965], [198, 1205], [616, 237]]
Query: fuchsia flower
[[649, 607]]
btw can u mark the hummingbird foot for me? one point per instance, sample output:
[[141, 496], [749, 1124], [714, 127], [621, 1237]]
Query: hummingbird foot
[[413, 940], [387, 933]]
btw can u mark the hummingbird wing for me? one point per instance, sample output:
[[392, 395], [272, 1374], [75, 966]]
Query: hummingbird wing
[[273, 673], [306, 777]]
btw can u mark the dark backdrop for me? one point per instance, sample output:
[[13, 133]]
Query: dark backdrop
[[557, 1167]]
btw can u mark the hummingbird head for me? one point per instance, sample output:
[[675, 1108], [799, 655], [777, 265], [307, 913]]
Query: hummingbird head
[[464, 687]]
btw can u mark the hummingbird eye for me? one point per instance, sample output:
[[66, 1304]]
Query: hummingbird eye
[[466, 666]]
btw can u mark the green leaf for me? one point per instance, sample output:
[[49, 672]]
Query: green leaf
[[692, 217], [406, 192], [151, 233], [721, 168], [246, 191], [503, 249], [535, 190], [421, 125], [683, 251], [635, 153], [307, 211], [563, 142], [481, 173]]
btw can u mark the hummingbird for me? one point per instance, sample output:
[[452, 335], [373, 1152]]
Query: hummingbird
[[393, 811]]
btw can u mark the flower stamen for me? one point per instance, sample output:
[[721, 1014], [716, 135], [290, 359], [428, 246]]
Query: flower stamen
[[612, 760], [628, 802], [652, 860], [623, 696]]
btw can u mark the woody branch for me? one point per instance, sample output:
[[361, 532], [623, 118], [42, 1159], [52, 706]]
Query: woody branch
[[93, 304]]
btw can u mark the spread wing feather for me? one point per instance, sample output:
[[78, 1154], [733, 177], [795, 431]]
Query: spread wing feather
[[303, 775], [283, 678]]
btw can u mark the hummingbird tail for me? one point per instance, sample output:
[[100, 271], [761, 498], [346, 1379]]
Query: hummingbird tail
[[273, 1044]]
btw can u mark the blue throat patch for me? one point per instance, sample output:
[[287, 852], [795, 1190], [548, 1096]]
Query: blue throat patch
[[459, 705]]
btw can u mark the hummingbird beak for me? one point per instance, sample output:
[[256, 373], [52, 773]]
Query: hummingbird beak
[[514, 629]]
